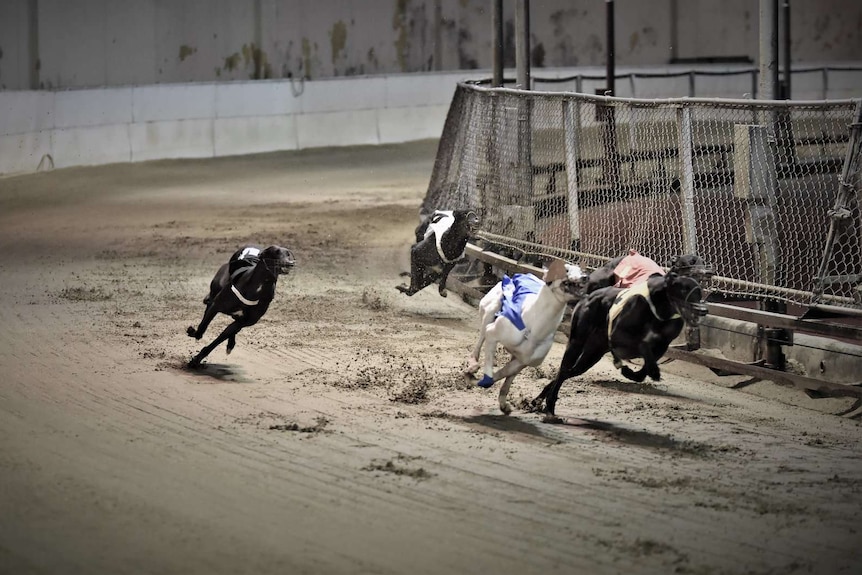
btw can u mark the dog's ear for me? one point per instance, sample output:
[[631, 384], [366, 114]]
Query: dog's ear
[[556, 271]]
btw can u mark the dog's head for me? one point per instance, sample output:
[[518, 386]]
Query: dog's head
[[691, 265], [467, 218], [686, 296], [278, 260], [568, 279]]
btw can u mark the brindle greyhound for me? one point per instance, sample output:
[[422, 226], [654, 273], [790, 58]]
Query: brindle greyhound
[[435, 253], [640, 321], [243, 288]]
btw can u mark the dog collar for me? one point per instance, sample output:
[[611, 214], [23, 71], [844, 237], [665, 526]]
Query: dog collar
[[242, 298]]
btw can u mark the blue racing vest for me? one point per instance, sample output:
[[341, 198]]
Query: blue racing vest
[[515, 290]]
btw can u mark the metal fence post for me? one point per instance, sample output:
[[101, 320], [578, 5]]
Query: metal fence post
[[689, 227], [572, 134], [686, 180], [522, 43], [497, 42], [756, 182]]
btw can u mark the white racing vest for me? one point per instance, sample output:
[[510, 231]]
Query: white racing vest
[[441, 221]]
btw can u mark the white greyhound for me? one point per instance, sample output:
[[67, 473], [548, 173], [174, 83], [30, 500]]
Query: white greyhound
[[527, 336]]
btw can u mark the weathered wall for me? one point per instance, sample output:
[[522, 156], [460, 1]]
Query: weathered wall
[[77, 43], [61, 128]]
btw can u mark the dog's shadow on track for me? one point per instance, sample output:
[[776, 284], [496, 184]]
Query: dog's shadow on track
[[635, 388], [510, 424], [560, 432], [637, 437], [219, 371]]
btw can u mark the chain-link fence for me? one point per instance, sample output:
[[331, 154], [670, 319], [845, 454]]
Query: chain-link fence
[[766, 192]]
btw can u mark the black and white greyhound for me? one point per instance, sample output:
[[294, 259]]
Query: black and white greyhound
[[243, 288], [440, 243]]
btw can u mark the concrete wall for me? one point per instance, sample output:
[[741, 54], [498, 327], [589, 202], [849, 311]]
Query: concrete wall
[[82, 43], [43, 129]]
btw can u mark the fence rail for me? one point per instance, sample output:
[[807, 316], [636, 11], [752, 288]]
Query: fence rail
[[811, 82], [766, 191]]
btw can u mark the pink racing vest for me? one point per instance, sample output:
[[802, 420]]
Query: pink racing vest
[[634, 269]]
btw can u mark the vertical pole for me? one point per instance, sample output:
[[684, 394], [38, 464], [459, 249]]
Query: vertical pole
[[689, 222], [572, 133], [524, 194], [686, 171], [257, 48], [497, 42], [674, 31], [761, 215], [786, 48], [610, 73], [438, 35], [522, 43], [33, 44], [768, 63]]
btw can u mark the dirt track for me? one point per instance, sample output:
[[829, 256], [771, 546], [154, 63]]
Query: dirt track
[[338, 437]]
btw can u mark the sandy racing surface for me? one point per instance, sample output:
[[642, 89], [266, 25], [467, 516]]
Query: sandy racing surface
[[338, 437]]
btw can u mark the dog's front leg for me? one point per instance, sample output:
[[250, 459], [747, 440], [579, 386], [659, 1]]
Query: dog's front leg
[[417, 273], [228, 333], [209, 314], [444, 277]]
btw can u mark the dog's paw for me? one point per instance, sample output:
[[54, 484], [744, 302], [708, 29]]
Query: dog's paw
[[535, 406], [486, 382], [551, 418], [443, 293], [192, 332]]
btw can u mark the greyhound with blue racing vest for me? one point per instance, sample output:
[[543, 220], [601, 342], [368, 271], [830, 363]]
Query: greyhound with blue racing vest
[[522, 313]]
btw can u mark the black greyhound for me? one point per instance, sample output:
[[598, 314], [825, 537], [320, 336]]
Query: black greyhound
[[637, 322], [243, 289], [436, 251], [690, 265]]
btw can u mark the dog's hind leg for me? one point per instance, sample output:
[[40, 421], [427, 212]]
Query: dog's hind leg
[[580, 335], [589, 356], [228, 333], [650, 367], [505, 406], [636, 376]]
